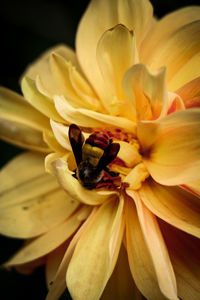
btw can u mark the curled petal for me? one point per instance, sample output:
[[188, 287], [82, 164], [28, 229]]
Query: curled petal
[[31, 203], [42, 103], [177, 134], [75, 189], [101, 16], [190, 93], [147, 91], [88, 118]]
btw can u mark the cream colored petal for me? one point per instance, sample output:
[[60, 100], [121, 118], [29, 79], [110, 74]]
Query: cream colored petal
[[192, 187], [184, 252], [101, 16], [20, 123], [22, 136], [189, 91], [49, 241], [42, 103], [51, 141], [88, 118], [75, 189], [31, 201], [58, 285], [147, 91], [180, 47], [61, 134], [13, 107], [188, 72], [116, 52], [166, 27], [140, 261], [30, 267], [49, 159], [92, 259], [174, 205], [177, 134], [129, 153], [121, 285], [40, 66], [53, 261], [157, 248]]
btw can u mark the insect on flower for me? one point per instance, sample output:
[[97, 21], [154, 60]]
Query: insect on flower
[[92, 156]]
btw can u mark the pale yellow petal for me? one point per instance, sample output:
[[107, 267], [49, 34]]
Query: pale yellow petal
[[121, 285], [60, 132], [174, 205], [13, 107], [157, 248], [49, 159], [75, 189], [49, 241], [22, 136], [53, 261], [129, 153], [20, 123], [184, 252], [147, 91], [101, 16], [40, 66], [31, 201], [180, 47], [92, 259], [30, 267], [42, 103], [51, 141], [164, 28], [58, 285], [177, 134], [88, 118], [116, 52], [140, 261]]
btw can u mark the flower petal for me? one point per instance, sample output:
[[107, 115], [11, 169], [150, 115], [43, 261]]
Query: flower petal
[[101, 16], [31, 201], [192, 187], [41, 65], [92, 259], [20, 123], [184, 252], [58, 285], [180, 47], [158, 251], [49, 241], [190, 92], [75, 189], [147, 91], [166, 27], [174, 205], [177, 134], [121, 285], [88, 118], [42, 103], [140, 261], [116, 52], [51, 141]]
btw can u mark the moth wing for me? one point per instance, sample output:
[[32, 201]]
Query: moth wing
[[76, 139]]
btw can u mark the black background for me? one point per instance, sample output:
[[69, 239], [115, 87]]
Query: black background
[[27, 29]]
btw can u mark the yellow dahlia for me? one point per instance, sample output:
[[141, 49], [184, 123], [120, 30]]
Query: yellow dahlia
[[137, 81]]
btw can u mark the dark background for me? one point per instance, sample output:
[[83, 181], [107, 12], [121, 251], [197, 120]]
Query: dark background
[[27, 29]]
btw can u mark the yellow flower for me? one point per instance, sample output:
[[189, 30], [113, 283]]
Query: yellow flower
[[137, 80]]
